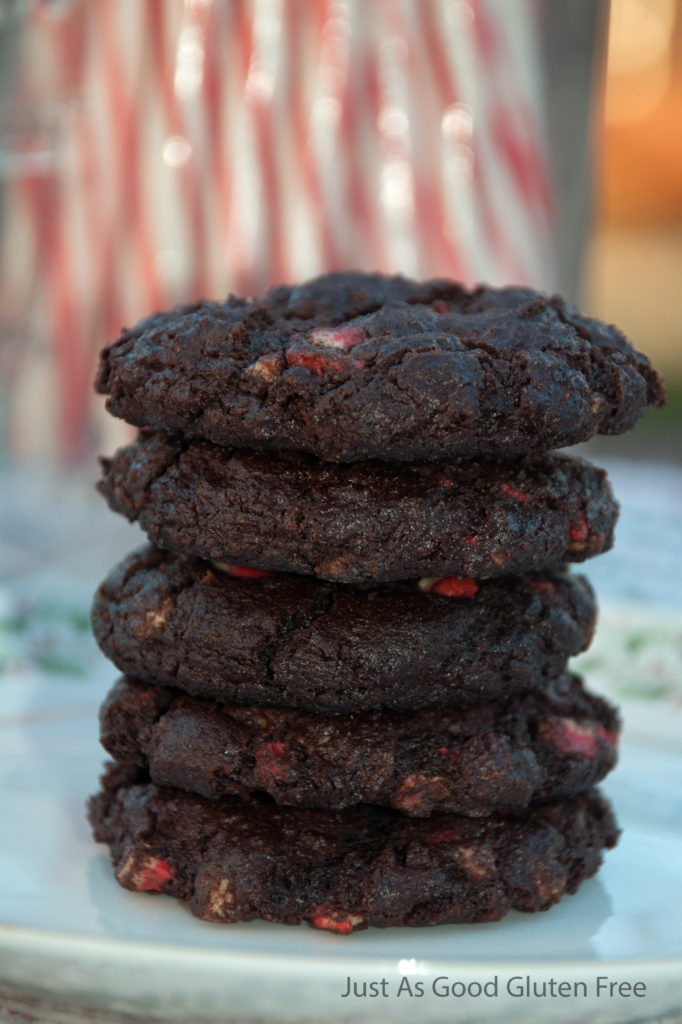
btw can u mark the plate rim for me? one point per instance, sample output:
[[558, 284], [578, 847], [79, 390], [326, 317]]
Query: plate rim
[[12, 936]]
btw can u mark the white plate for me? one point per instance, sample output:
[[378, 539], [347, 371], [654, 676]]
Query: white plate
[[73, 943]]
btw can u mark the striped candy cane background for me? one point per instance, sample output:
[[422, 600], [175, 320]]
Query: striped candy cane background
[[157, 150]]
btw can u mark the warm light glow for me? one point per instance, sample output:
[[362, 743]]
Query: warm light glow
[[396, 185], [267, 28], [189, 57], [639, 58], [176, 151], [457, 122], [393, 121]]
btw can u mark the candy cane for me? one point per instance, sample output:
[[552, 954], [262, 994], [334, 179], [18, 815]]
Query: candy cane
[[327, 152], [215, 37], [512, 172], [307, 37], [127, 227], [188, 172], [439, 252], [51, 214], [501, 260], [359, 102], [441, 249], [518, 125]]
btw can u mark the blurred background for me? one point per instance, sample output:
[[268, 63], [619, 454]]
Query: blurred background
[[632, 268], [152, 151], [155, 151]]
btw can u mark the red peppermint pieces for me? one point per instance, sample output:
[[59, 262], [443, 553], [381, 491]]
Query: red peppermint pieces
[[341, 338], [156, 873], [578, 529], [244, 571], [454, 755], [513, 493], [337, 337], [272, 761], [149, 875], [316, 364], [448, 586], [335, 921], [574, 738]]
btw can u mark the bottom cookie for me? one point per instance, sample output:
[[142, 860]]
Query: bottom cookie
[[344, 870]]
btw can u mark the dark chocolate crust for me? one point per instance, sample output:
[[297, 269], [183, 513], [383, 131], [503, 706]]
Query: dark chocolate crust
[[365, 521], [291, 641], [352, 366], [501, 755], [344, 870]]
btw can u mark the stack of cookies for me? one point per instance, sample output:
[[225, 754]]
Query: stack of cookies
[[345, 696]]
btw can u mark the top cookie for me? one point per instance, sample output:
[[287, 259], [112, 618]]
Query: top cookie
[[352, 366]]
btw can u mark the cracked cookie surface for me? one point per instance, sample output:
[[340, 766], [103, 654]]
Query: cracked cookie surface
[[501, 755], [344, 870], [291, 641], [363, 521], [352, 366]]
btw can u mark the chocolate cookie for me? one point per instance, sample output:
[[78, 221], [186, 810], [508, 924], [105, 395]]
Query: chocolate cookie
[[500, 755], [365, 521], [353, 366], [344, 870], [292, 641]]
